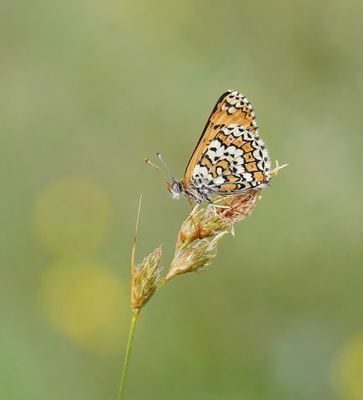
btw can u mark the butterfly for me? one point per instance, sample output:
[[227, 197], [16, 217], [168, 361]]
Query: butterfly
[[230, 156]]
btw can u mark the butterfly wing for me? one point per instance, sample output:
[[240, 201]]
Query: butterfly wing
[[230, 156]]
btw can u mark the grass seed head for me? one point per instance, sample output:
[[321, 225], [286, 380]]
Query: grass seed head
[[239, 206], [194, 256], [145, 278], [201, 224]]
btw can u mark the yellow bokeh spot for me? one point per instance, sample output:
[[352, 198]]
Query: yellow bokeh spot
[[72, 216], [87, 303], [348, 369]]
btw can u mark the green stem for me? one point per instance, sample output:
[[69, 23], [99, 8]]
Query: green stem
[[125, 367]]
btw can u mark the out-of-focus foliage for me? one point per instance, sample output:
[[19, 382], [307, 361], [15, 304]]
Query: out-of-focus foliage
[[87, 90]]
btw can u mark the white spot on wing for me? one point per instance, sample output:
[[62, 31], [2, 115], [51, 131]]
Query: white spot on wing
[[219, 180]]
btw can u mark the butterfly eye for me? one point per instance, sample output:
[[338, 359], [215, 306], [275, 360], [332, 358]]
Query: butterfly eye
[[175, 189]]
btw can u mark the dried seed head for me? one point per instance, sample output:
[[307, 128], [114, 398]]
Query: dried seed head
[[200, 233], [194, 256], [196, 245], [145, 278], [239, 206], [201, 224]]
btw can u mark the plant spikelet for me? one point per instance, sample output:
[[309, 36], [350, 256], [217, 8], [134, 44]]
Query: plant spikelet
[[145, 278]]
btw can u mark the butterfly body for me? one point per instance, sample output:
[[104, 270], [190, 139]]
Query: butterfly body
[[230, 156], [196, 193]]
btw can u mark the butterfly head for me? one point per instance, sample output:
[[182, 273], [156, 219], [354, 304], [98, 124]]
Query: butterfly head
[[175, 188]]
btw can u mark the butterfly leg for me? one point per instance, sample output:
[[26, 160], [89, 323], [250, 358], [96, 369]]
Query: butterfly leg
[[195, 224]]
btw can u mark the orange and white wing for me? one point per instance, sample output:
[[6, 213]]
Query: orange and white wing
[[230, 156]]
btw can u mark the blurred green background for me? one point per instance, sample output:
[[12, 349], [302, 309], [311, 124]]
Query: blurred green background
[[87, 90]]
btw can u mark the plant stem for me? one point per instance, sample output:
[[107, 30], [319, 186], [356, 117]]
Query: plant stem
[[125, 367]]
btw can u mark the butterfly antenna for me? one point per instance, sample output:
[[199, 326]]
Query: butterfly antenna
[[158, 155], [148, 161]]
